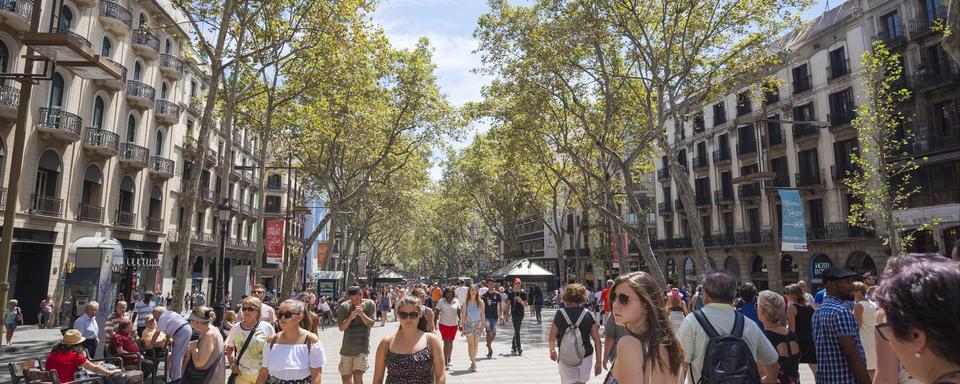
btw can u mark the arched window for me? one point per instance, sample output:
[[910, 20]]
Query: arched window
[[167, 47], [56, 91], [131, 129], [143, 21], [97, 112], [48, 174], [66, 18], [137, 69], [127, 188], [105, 47], [4, 57], [158, 146], [163, 91]]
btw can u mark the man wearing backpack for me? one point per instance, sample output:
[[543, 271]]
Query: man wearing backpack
[[723, 345], [573, 328]]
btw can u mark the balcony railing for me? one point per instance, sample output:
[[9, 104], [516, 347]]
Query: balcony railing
[[894, 38], [126, 219], [154, 225], [839, 231], [116, 11], [678, 204], [723, 195], [276, 187], [809, 177], [664, 207], [171, 62], [703, 200], [663, 174], [167, 111], [744, 238], [700, 162], [134, 153], [162, 165], [838, 70], [935, 76], [802, 85], [145, 38], [842, 172], [123, 69], [841, 119], [102, 139], [207, 194], [46, 206], [138, 89], [9, 96], [923, 24], [748, 191], [90, 213], [3, 198], [746, 148], [78, 36], [801, 131], [22, 8], [57, 119], [721, 156]]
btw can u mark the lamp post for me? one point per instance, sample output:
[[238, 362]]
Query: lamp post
[[223, 215]]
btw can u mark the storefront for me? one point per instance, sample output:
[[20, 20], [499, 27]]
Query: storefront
[[92, 274], [30, 262], [141, 268]]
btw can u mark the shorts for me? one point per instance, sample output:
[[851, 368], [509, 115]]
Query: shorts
[[10, 326], [473, 328], [350, 364], [576, 373], [491, 325], [448, 332]]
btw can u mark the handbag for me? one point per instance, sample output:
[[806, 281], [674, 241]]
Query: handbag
[[233, 376]]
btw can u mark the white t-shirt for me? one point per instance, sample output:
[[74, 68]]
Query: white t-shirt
[[462, 294], [253, 356], [293, 361], [448, 312]]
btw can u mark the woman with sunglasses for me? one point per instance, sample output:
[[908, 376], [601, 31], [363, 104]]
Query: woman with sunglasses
[[638, 303], [246, 365], [412, 355], [204, 356], [920, 307], [293, 356], [575, 314]]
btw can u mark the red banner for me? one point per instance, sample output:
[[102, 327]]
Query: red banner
[[616, 256], [322, 254], [274, 241]]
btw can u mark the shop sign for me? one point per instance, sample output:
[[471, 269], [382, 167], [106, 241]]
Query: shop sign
[[819, 263], [142, 262]]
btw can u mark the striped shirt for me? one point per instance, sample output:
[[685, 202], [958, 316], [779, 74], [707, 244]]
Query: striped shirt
[[143, 309], [833, 319]]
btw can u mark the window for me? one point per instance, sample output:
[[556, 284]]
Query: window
[[892, 26], [273, 204], [841, 107], [726, 184], [273, 181], [771, 93], [127, 188], [56, 91], [801, 79], [728, 223], [815, 212], [137, 70], [105, 47], [97, 118], [702, 190], [158, 145], [944, 120], [723, 147], [774, 131], [808, 166], [781, 170], [746, 139], [131, 129], [719, 114], [753, 220], [842, 151], [743, 103], [4, 57], [48, 173], [803, 113], [163, 91], [698, 125], [167, 47], [705, 225], [932, 9], [143, 21], [838, 64], [66, 19]]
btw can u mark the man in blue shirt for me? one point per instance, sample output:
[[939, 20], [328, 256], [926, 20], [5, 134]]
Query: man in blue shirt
[[840, 356], [89, 329]]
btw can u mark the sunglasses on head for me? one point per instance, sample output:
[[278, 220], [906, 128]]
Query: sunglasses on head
[[287, 315], [408, 315], [248, 309]]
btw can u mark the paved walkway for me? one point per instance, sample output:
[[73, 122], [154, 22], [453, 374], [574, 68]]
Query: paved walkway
[[534, 367]]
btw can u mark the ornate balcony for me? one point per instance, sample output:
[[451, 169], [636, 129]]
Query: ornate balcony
[[748, 191], [146, 44], [134, 156], [663, 174], [809, 178], [90, 213], [43, 205], [16, 14], [207, 195], [99, 142], [59, 124], [115, 18], [171, 66], [3, 198], [115, 84], [804, 132], [126, 219], [721, 157], [161, 168], [154, 225], [9, 102], [140, 95], [167, 113], [700, 163]]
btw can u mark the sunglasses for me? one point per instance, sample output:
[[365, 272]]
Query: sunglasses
[[287, 315], [408, 315], [882, 330], [622, 299], [248, 309]]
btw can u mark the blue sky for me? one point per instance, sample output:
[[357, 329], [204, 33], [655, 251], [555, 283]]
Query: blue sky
[[449, 25]]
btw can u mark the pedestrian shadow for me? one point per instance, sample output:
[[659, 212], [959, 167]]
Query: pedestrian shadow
[[461, 372]]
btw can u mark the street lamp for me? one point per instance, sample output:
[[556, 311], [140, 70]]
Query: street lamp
[[223, 215]]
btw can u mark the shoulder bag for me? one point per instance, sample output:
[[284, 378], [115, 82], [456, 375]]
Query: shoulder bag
[[233, 376]]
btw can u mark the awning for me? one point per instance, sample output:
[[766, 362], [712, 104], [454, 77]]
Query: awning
[[140, 246], [328, 275], [92, 242], [524, 269], [390, 276]]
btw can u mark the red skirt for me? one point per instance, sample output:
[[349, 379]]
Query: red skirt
[[448, 332]]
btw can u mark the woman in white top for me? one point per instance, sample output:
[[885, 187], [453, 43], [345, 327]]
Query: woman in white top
[[865, 312], [293, 356], [448, 312]]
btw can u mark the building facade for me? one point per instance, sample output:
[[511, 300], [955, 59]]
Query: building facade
[[739, 150], [105, 158]]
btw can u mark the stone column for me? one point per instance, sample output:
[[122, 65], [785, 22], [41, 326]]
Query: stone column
[[772, 260]]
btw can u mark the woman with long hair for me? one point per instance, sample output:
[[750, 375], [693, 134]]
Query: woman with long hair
[[637, 306], [472, 317], [384, 306], [294, 355], [800, 322], [311, 321], [448, 313], [245, 366], [204, 356], [412, 355]]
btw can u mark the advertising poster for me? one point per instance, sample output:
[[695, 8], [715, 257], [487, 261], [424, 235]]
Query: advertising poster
[[793, 230], [274, 244]]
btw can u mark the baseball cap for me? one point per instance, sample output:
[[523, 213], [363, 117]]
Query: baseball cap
[[837, 273], [354, 290]]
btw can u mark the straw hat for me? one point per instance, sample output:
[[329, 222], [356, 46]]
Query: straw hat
[[71, 337]]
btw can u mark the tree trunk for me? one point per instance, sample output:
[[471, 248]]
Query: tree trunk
[[951, 43], [189, 196], [686, 193]]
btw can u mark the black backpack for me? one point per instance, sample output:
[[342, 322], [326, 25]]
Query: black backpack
[[728, 358]]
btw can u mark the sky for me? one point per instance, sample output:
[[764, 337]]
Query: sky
[[449, 25]]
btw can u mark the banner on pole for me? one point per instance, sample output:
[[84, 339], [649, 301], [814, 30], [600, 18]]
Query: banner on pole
[[322, 248], [793, 231], [616, 254], [274, 242]]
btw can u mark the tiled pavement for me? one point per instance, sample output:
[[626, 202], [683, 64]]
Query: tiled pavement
[[534, 367]]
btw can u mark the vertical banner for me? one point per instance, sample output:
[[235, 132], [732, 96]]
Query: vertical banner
[[322, 248], [793, 231], [274, 242], [616, 255]]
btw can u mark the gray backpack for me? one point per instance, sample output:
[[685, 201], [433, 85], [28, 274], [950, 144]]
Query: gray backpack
[[572, 350]]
